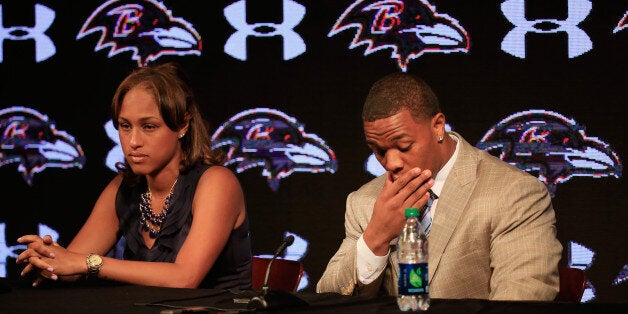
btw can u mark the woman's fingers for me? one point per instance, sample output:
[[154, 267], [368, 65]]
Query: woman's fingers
[[28, 254], [49, 275], [36, 244], [47, 239], [40, 245], [34, 260], [37, 281], [27, 270], [28, 238], [35, 263], [24, 257]]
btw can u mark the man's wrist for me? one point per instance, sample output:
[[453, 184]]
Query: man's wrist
[[369, 265], [379, 248]]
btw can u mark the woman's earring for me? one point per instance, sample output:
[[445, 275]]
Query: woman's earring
[[440, 138], [181, 135]]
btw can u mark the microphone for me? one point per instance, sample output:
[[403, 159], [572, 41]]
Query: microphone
[[287, 241], [273, 299]]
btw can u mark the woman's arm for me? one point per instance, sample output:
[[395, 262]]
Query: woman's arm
[[98, 235], [217, 208]]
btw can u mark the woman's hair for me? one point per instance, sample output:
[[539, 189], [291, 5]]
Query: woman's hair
[[168, 85]]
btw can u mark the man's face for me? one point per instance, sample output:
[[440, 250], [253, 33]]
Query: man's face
[[401, 142]]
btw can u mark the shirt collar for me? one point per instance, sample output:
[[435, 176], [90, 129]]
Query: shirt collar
[[441, 176]]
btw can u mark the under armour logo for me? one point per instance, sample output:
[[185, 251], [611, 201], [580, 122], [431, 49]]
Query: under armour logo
[[581, 257], [115, 154], [293, 44], [44, 47], [578, 40]]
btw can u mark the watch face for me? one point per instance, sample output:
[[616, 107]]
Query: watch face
[[95, 260]]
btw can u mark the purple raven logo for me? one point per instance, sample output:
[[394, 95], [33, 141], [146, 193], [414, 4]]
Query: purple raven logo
[[552, 146], [32, 141], [623, 23], [276, 142], [408, 27], [145, 27]]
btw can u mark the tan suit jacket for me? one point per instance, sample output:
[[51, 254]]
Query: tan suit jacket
[[493, 236]]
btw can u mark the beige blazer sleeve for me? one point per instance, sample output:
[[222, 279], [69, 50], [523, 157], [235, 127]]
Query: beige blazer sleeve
[[524, 251], [341, 274]]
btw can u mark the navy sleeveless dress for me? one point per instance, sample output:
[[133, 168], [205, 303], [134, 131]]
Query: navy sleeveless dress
[[232, 269]]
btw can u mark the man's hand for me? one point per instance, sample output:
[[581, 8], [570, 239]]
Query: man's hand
[[408, 190]]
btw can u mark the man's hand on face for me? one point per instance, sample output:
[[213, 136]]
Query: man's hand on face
[[408, 190]]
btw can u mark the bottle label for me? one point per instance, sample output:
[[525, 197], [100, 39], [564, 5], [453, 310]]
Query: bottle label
[[413, 279]]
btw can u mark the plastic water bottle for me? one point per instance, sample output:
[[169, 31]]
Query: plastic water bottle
[[412, 254]]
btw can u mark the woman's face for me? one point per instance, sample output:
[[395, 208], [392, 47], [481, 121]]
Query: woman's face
[[149, 145]]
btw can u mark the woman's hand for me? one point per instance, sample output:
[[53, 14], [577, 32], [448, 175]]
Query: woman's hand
[[50, 259], [32, 257]]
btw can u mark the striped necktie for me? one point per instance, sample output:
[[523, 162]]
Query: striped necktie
[[426, 218]]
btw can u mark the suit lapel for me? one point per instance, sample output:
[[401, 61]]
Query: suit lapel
[[452, 202]]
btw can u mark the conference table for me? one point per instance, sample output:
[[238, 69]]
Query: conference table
[[117, 298]]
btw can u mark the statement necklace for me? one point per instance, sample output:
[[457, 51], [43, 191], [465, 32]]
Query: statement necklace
[[150, 221]]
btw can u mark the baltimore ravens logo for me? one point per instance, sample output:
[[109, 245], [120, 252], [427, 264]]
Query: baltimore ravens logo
[[550, 145], [32, 141], [276, 142], [622, 23], [409, 27], [145, 27]]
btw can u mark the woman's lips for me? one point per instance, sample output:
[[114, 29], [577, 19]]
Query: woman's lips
[[137, 158]]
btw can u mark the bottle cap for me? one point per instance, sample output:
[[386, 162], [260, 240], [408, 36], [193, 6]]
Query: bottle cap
[[412, 212]]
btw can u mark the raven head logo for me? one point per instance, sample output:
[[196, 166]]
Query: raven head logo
[[408, 27], [145, 27], [276, 142], [551, 145], [30, 139], [623, 23]]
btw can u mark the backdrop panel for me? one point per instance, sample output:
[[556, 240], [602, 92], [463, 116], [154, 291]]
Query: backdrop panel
[[540, 84]]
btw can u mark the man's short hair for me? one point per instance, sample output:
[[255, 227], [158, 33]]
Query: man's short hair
[[397, 91]]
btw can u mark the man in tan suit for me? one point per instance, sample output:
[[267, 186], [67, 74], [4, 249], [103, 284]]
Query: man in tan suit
[[492, 234]]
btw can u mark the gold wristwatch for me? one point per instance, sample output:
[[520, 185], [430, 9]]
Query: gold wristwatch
[[94, 263]]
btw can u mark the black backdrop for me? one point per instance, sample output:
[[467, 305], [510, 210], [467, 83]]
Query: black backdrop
[[323, 88]]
